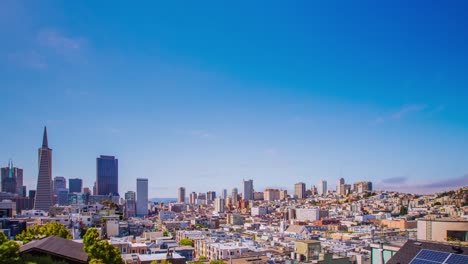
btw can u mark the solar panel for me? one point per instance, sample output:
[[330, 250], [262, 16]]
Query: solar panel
[[426, 256], [457, 259], [422, 261], [435, 256]]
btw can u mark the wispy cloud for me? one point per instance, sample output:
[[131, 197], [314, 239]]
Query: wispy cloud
[[408, 109], [379, 120], [271, 152], [46, 46], [52, 38], [30, 59], [201, 134]]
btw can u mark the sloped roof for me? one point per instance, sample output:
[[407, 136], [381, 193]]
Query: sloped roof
[[411, 248], [296, 229], [57, 246]]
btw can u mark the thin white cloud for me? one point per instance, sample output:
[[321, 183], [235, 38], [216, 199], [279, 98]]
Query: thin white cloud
[[52, 38], [201, 134], [30, 59], [379, 120], [271, 152], [408, 109]]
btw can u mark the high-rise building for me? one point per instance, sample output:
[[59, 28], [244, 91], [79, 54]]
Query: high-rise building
[[210, 196], [181, 195], [75, 185], [142, 197], [193, 197], [130, 204], [234, 195], [300, 190], [60, 183], [44, 190], [247, 190], [363, 186], [107, 175], [283, 194], [341, 181], [322, 187], [219, 205], [32, 194], [224, 194], [271, 195], [12, 179]]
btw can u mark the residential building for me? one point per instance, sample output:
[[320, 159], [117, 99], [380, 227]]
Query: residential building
[[271, 195], [442, 229], [300, 190]]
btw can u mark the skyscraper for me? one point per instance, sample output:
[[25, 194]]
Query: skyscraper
[[60, 183], [142, 197], [75, 185], [219, 205], [234, 195], [193, 198], [107, 175], [322, 188], [130, 204], [300, 190], [247, 190], [44, 191], [12, 179], [181, 195]]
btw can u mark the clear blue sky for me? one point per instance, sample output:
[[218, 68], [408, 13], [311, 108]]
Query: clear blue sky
[[204, 94]]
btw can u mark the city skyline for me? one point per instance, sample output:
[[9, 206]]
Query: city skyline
[[199, 97]]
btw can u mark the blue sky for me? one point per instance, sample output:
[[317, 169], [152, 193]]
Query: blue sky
[[204, 95]]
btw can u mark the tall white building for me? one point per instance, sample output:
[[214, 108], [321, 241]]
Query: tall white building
[[219, 205], [322, 188], [142, 197], [247, 190]]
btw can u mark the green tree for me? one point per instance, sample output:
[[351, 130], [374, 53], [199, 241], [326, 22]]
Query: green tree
[[165, 233], [217, 262], [437, 203], [403, 210], [186, 242], [100, 251], [39, 232], [202, 257], [9, 250]]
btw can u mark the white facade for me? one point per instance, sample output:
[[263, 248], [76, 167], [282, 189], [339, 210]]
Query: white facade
[[142, 197], [310, 214], [260, 210], [219, 205], [322, 188]]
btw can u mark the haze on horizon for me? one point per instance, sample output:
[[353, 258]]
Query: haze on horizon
[[205, 96]]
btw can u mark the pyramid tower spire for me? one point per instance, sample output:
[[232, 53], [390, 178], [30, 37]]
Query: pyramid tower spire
[[45, 143]]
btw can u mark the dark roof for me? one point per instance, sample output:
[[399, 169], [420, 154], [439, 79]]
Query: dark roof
[[411, 248], [57, 246]]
